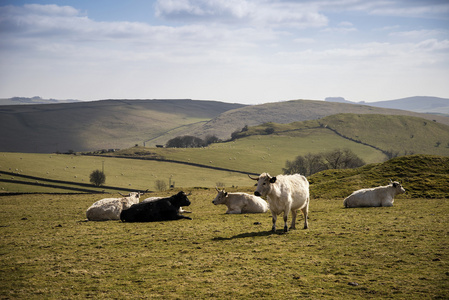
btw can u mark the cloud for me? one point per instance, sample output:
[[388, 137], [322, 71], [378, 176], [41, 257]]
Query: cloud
[[417, 34], [249, 12]]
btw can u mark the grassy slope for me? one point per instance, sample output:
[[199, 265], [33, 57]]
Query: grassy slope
[[264, 153], [88, 126], [292, 111], [397, 252], [398, 133], [98, 125], [421, 175], [401, 134]]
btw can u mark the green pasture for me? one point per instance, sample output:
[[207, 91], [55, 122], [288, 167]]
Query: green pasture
[[49, 252], [254, 154], [264, 153], [398, 134], [120, 172]]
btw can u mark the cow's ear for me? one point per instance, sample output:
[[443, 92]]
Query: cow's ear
[[273, 179]]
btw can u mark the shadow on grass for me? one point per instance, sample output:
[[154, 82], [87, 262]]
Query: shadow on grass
[[249, 234]]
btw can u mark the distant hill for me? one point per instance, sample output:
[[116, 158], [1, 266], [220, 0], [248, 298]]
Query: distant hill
[[118, 124], [292, 111], [106, 124], [421, 104], [32, 100]]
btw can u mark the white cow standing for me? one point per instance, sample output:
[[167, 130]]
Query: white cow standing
[[240, 203], [374, 197], [110, 208], [285, 193]]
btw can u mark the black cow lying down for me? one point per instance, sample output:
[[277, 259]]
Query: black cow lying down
[[164, 209]]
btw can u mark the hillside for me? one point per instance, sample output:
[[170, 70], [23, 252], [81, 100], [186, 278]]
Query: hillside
[[292, 111], [420, 104], [107, 124], [32, 100], [392, 135], [118, 124], [422, 176]]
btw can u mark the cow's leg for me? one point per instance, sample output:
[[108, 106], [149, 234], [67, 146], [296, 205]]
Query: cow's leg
[[294, 213], [273, 229], [305, 212], [234, 210], [285, 221]]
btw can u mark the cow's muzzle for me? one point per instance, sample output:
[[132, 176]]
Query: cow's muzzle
[[256, 193]]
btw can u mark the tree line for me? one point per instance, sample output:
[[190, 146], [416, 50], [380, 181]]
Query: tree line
[[188, 141], [313, 163]]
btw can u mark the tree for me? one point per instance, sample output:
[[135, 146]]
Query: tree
[[186, 141], [314, 163], [342, 159], [97, 178], [160, 185]]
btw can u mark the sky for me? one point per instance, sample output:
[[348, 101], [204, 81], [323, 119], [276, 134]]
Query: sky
[[238, 51]]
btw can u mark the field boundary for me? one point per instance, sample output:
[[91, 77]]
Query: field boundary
[[178, 162], [103, 187]]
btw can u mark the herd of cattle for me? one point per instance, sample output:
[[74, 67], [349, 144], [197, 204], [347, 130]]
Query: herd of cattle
[[284, 193]]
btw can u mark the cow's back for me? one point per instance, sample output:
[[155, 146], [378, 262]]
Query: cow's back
[[149, 211], [294, 188], [250, 203], [298, 186], [105, 209]]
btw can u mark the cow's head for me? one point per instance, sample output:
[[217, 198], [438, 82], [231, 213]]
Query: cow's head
[[264, 182], [133, 196], [221, 197], [397, 186], [180, 199]]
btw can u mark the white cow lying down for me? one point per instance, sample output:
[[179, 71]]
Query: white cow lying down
[[240, 203], [110, 208], [379, 196]]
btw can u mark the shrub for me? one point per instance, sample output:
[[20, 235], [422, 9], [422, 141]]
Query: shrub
[[161, 185], [97, 178]]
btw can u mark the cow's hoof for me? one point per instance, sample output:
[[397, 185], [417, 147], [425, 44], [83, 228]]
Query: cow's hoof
[[285, 229]]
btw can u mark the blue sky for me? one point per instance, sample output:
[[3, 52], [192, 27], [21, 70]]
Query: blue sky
[[246, 51]]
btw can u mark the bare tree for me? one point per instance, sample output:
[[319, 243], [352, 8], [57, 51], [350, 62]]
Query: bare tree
[[161, 185], [314, 163]]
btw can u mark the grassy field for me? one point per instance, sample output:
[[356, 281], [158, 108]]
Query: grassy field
[[254, 154], [399, 252], [398, 134], [120, 172], [263, 153]]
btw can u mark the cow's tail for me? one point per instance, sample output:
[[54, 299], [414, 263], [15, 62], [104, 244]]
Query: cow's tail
[[345, 203]]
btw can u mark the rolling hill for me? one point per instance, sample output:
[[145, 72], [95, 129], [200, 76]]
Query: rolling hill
[[420, 104], [107, 124], [292, 111], [118, 124], [433, 105]]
